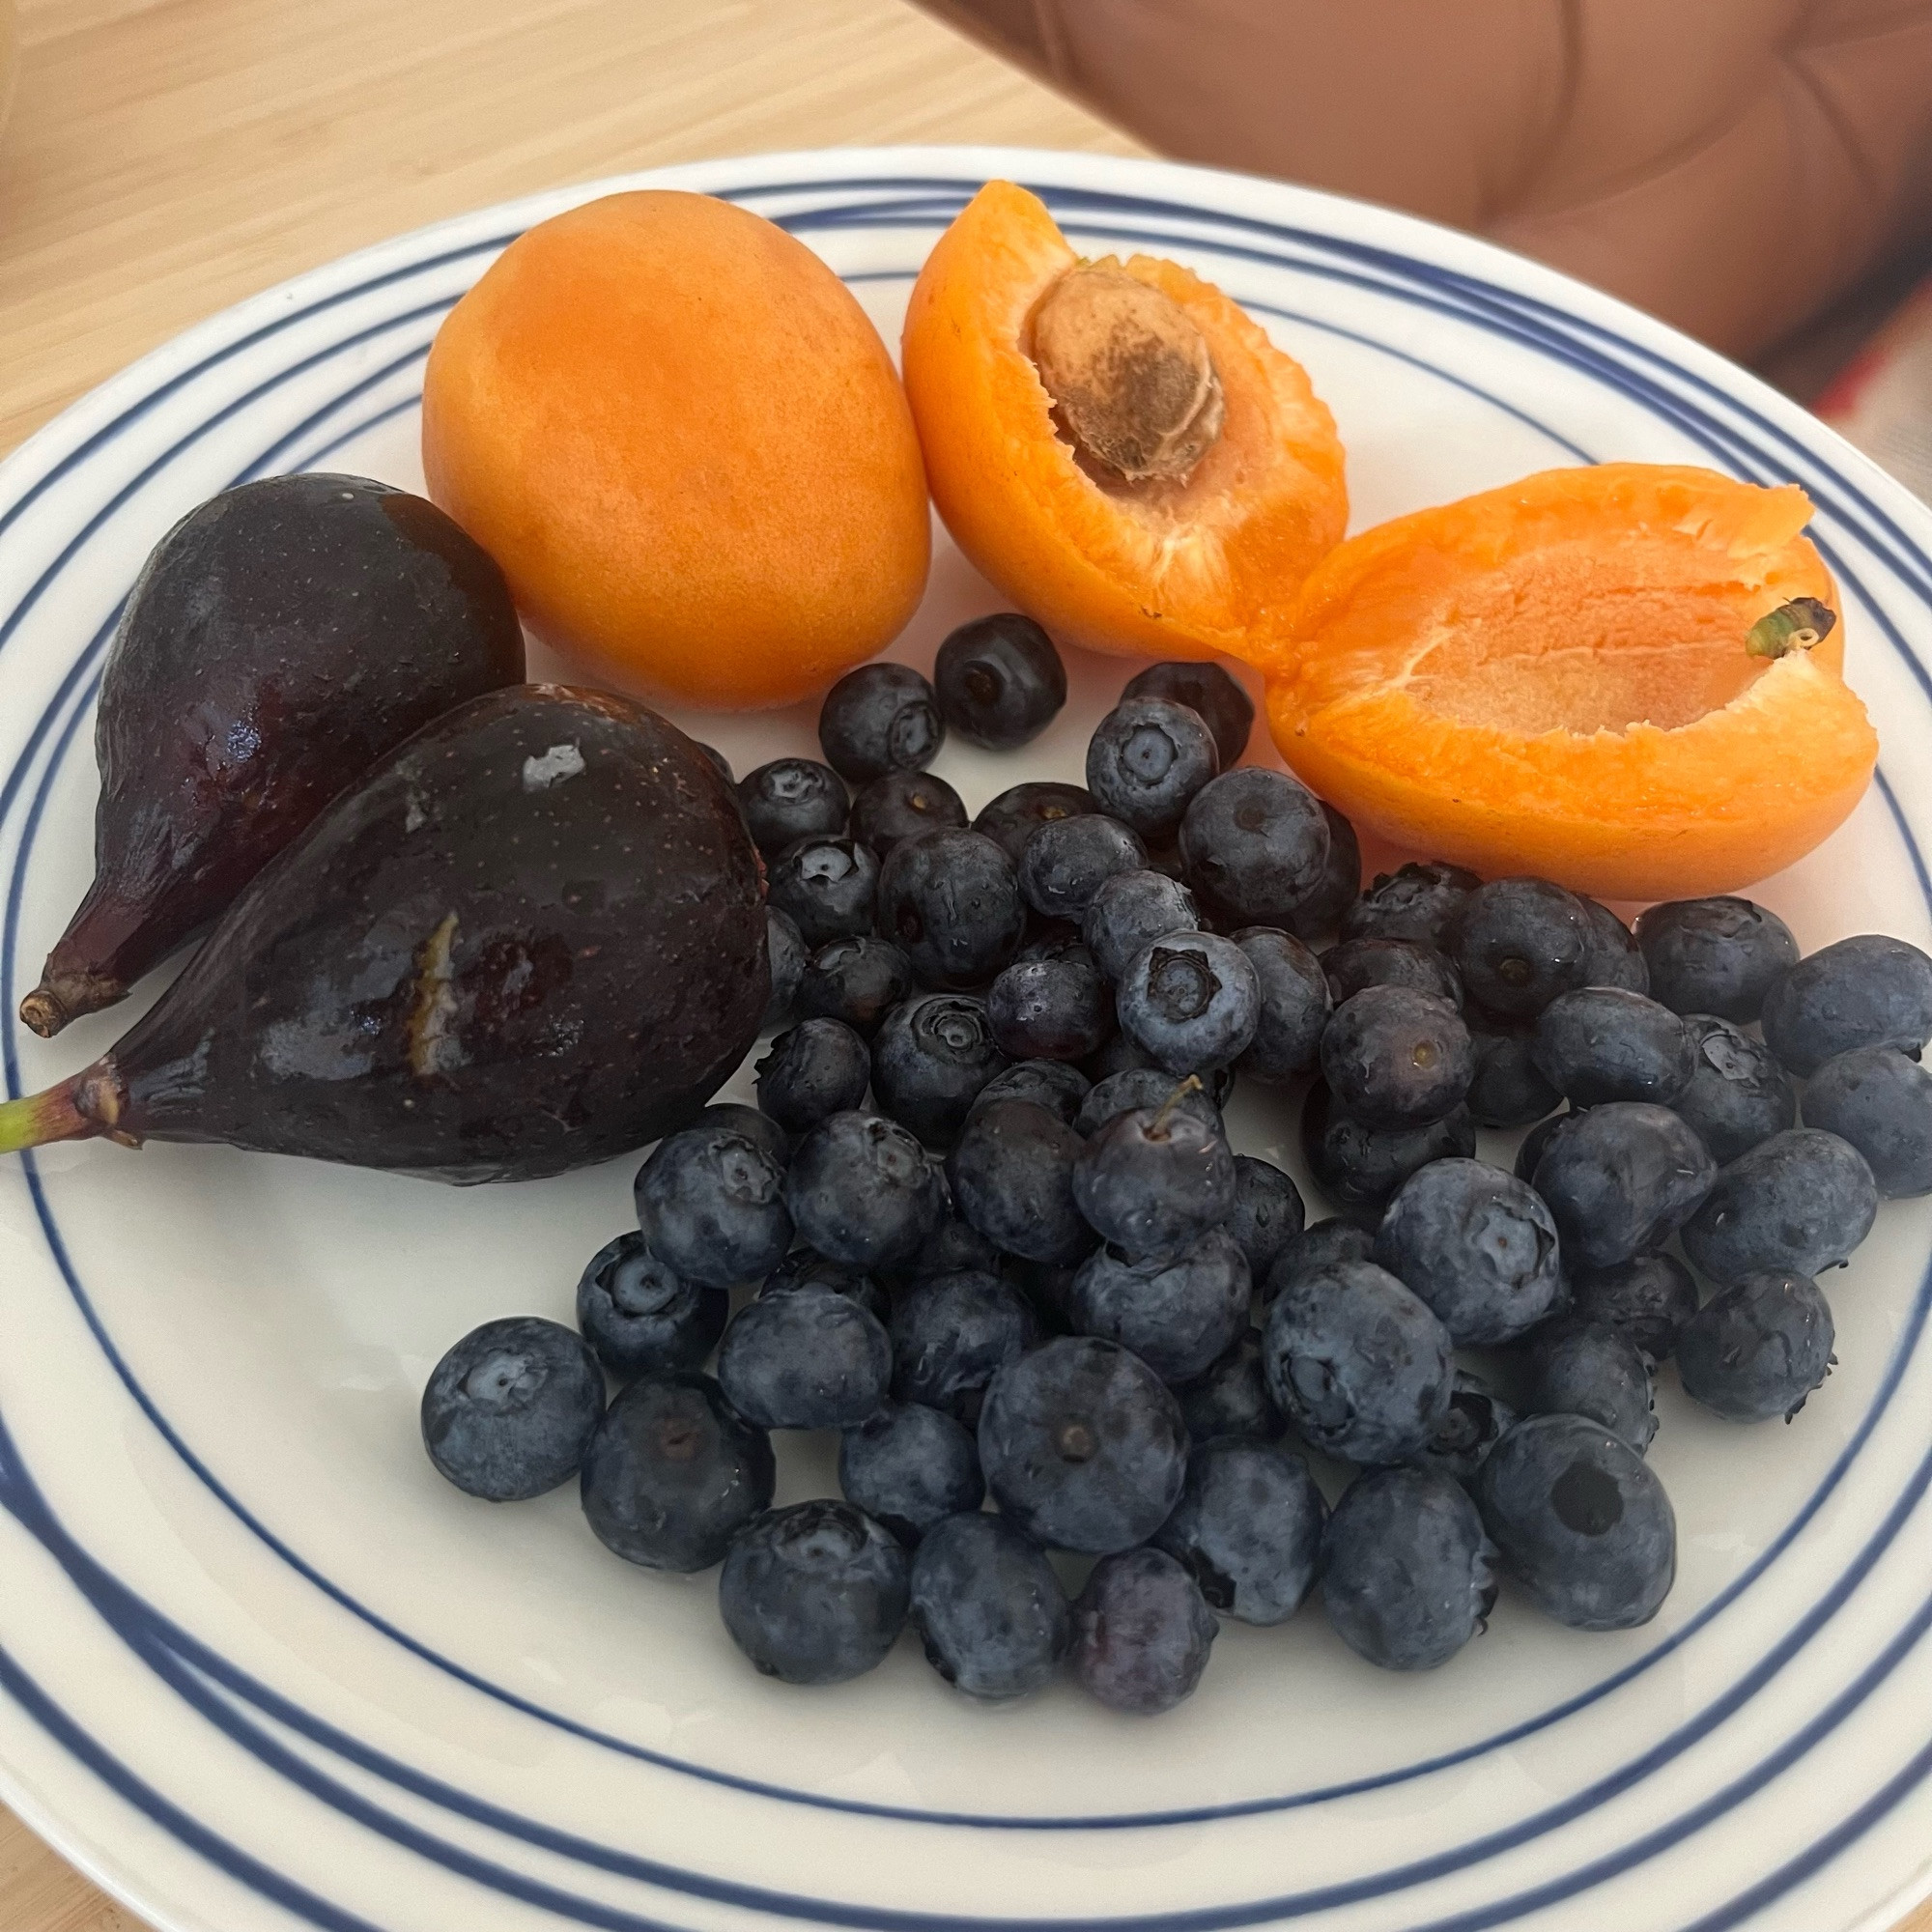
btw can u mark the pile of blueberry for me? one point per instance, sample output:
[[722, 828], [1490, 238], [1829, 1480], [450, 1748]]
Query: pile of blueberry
[[1030, 1268]]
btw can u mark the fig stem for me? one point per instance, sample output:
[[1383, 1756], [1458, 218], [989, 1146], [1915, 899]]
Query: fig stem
[[36, 1119], [43, 1012]]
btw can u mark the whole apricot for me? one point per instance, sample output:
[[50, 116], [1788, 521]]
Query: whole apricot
[[684, 442]]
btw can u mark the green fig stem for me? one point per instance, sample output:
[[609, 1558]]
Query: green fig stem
[[80, 1108], [1796, 626]]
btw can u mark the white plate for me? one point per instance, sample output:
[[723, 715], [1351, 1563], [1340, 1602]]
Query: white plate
[[263, 1668]]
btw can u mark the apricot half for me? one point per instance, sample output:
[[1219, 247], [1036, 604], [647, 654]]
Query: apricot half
[[686, 445], [1115, 444], [1626, 678]]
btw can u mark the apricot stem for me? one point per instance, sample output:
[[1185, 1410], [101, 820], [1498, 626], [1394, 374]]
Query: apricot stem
[[1796, 626]]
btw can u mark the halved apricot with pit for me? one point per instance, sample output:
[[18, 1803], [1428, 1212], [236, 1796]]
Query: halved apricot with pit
[[1114, 444], [1626, 678]]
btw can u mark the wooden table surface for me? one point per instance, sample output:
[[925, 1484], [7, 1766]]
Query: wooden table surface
[[167, 158]]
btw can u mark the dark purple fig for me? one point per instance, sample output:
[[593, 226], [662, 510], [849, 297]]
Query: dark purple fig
[[528, 938], [279, 641]]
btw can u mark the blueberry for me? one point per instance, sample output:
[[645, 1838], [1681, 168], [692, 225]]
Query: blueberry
[[1867, 991], [951, 901], [861, 1191], [1315, 1247], [1519, 943], [1406, 1576], [784, 952], [1011, 1172], [1714, 955], [828, 886], [1227, 710], [1605, 1043], [720, 763], [1592, 1370], [1062, 1090], [1648, 1297], [1476, 1421], [508, 1411], [1321, 914], [711, 1204], [792, 799], [1177, 1315], [878, 719], [1533, 1144], [1357, 1167], [1615, 958], [1254, 845], [819, 1068], [1394, 1058], [858, 981], [1357, 1363], [1581, 1521], [1146, 760], [1738, 1094], [1758, 1347], [901, 805], [910, 1468], [1247, 1528], [951, 1333], [1137, 1086], [1068, 860], [1000, 681], [1153, 1181], [1082, 1445], [1047, 1286], [1881, 1101], [1053, 1009], [991, 1612], [1230, 1396], [674, 1472], [803, 1268], [814, 1593], [1129, 912], [1294, 1004], [1142, 1631], [1477, 1246], [929, 1062], [1191, 999], [1799, 1203], [1019, 811], [760, 1129], [1356, 963], [1620, 1179], [1507, 1089], [637, 1315], [1269, 1213], [806, 1358], [1415, 902]]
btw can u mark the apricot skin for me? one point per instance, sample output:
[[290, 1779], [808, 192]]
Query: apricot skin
[[685, 444]]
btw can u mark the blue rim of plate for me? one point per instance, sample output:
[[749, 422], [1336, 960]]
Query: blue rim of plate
[[1532, 324]]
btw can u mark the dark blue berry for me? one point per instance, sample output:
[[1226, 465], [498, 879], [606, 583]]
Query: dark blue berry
[[1318, 916], [1254, 845], [1797, 1203], [1191, 999], [1615, 958], [950, 902], [1738, 1094], [828, 886], [1082, 1445], [1177, 1315], [1415, 903], [637, 1315], [951, 1334], [1294, 1006], [1592, 1370], [991, 1612], [1138, 1087], [1477, 1246], [1648, 1297], [818, 1068], [1142, 1633], [1394, 1058], [1531, 1148], [929, 1062], [1476, 1421], [1519, 943], [1359, 1167], [1620, 1179], [1881, 1101], [1356, 963], [909, 1468], [858, 981], [1319, 1246], [1231, 1398], [1581, 1521], [803, 1268], [1247, 1528], [1605, 1043], [814, 1593], [1867, 991], [1146, 760], [1227, 710], [998, 680], [508, 1411], [784, 952], [951, 1245], [674, 1472], [806, 1358], [1129, 912], [720, 763], [1406, 1570], [1154, 1180], [1068, 860], [792, 799], [861, 1191], [1269, 1213], [901, 805], [1358, 1365], [711, 1204], [760, 1129], [878, 719], [1507, 1089], [1019, 811], [1758, 1347], [1053, 1009], [1011, 1172], [1715, 955], [1062, 1090]]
